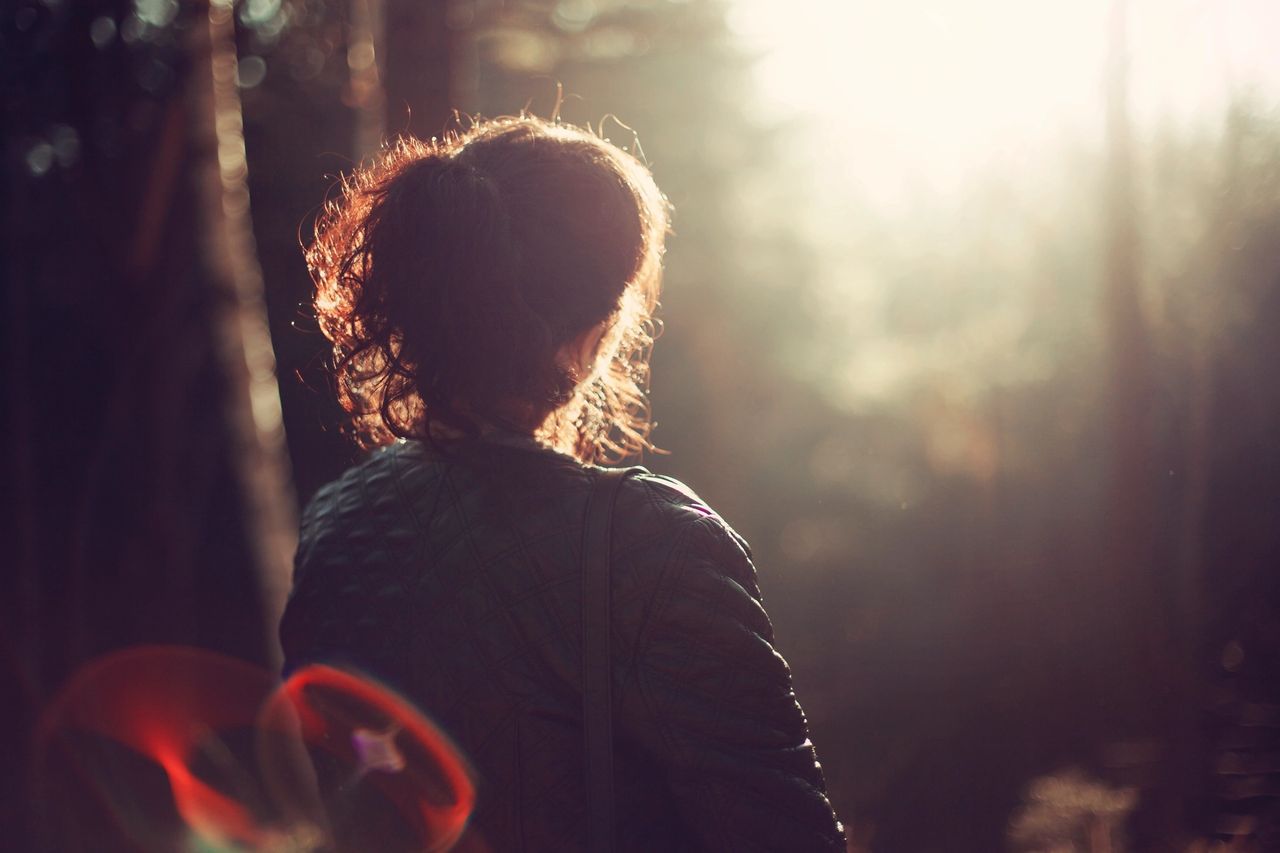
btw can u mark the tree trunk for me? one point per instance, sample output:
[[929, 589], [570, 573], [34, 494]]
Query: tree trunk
[[143, 421], [1131, 571], [1156, 681]]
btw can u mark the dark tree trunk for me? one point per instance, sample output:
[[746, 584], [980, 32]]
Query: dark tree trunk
[[142, 455], [1157, 682], [1131, 507]]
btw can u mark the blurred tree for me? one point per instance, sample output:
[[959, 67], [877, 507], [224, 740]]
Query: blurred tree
[[1156, 685], [337, 77], [1132, 501], [304, 108], [1230, 303], [143, 420]]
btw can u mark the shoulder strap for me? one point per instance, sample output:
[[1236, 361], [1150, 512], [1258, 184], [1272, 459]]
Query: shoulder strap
[[597, 676]]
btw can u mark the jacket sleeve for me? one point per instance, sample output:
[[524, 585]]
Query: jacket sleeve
[[711, 702]]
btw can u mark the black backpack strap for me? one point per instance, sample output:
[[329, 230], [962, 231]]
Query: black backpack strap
[[597, 675]]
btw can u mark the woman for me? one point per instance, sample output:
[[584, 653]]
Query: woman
[[489, 299]]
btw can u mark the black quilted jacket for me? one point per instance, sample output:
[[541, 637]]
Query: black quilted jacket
[[456, 580]]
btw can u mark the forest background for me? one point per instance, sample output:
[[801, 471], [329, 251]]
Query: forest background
[[1005, 445]]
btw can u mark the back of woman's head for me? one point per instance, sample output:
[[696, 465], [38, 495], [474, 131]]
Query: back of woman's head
[[451, 275]]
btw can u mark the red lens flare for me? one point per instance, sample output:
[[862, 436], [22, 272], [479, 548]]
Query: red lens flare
[[372, 750], [166, 703], [329, 760]]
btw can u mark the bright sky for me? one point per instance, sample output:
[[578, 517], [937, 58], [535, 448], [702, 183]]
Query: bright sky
[[919, 94]]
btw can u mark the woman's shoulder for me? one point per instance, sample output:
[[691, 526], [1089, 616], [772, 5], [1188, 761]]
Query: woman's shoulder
[[664, 509], [646, 493]]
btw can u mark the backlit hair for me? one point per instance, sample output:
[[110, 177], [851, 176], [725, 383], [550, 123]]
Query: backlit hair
[[449, 273]]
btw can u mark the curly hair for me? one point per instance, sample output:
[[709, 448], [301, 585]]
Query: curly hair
[[449, 274]]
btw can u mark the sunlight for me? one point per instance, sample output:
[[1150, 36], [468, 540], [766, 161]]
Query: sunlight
[[913, 97]]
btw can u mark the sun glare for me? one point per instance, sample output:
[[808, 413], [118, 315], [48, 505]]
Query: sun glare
[[918, 95]]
